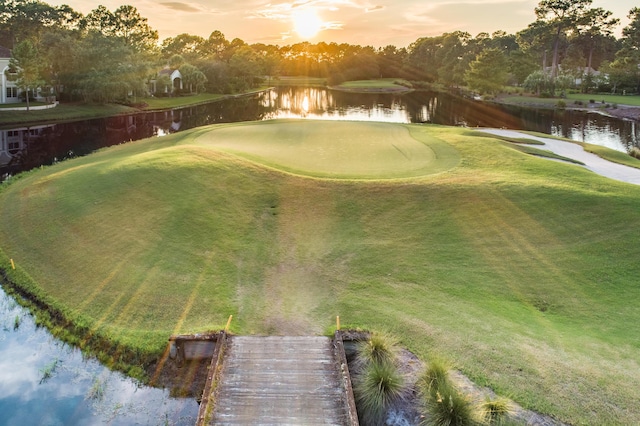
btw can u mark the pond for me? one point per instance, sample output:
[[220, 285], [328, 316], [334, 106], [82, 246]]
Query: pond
[[25, 148], [44, 381]]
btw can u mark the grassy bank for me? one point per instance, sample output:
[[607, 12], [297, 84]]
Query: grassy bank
[[519, 269], [382, 85], [63, 112], [82, 111], [583, 99]]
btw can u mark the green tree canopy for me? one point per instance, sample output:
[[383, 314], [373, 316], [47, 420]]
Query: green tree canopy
[[488, 73], [28, 65]]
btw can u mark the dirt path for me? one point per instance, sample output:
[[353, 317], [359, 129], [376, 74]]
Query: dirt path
[[576, 152]]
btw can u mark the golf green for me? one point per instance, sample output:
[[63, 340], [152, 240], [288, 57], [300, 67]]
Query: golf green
[[336, 149]]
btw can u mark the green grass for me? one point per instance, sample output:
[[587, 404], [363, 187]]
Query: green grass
[[531, 100], [21, 105], [338, 150], [63, 112], [378, 85], [521, 271], [157, 103], [298, 81]]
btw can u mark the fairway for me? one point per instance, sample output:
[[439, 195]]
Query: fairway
[[522, 272], [334, 149]]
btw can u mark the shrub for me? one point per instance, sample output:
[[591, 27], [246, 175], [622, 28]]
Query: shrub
[[561, 104], [378, 386], [635, 152], [495, 411]]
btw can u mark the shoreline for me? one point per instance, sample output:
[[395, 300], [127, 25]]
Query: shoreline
[[126, 110], [620, 111]]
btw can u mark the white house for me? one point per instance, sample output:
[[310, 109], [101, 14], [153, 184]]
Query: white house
[[9, 91], [174, 77]]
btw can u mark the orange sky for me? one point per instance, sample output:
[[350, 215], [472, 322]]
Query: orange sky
[[365, 22]]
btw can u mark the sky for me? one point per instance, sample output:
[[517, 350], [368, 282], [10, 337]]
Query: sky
[[376, 23]]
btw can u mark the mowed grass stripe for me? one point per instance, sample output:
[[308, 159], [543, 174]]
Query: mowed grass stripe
[[520, 270]]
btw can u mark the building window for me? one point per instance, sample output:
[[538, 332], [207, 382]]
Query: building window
[[13, 133], [14, 147], [12, 92]]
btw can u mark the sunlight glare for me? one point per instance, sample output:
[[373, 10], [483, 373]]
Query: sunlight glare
[[307, 23]]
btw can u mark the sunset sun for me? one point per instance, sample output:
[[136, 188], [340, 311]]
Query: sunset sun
[[307, 23]]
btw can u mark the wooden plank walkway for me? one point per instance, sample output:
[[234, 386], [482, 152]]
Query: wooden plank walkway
[[280, 380]]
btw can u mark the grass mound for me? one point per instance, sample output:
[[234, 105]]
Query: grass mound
[[521, 271]]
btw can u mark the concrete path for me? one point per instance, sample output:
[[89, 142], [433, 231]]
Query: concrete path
[[576, 152], [280, 380]]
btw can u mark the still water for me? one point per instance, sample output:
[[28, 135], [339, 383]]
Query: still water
[[26, 148], [45, 382]]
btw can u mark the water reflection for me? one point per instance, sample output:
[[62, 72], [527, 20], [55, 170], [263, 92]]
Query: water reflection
[[43, 381], [26, 148]]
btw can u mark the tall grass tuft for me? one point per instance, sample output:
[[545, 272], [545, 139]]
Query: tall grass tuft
[[449, 407], [379, 348], [495, 411], [378, 386], [443, 403], [435, 377]]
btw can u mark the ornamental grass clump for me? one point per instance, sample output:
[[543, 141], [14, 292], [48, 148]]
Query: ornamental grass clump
[[495, 411], [376, 388], [434, 378], [379, 348], [444, 404], [378, 382], [449, 407]]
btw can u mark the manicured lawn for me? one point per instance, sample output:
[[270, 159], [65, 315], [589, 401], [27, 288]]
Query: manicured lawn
[[520, 270], [64, 112], [632, 100], [298, 81], [379, 85], [336, 149]]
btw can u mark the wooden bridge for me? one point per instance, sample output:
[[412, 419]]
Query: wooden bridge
[[278, 380]]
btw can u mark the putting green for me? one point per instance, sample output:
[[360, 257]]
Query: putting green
[[350, 150]]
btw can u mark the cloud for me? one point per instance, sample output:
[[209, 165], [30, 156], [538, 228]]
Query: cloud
[[374, 8], [182, 7]]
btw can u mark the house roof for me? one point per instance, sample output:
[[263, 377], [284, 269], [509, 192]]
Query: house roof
[[4, 52], [167, 71]]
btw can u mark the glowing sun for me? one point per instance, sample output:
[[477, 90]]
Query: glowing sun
[[307, 23]]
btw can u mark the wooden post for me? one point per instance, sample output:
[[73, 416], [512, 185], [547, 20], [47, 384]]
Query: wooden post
[[13, 265], [228, 323], [338, 322]]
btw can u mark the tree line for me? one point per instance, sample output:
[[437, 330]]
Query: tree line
[[110, 56]]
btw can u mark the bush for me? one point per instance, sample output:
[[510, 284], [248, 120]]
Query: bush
[[635, 152], [378, 386], [561, 104]]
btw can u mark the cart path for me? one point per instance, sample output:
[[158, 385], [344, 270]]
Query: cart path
[[576, 152]]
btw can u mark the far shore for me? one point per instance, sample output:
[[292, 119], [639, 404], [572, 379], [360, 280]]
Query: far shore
[[610, 105]]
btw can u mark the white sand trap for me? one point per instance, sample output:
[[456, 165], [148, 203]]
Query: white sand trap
[[576, 152]]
